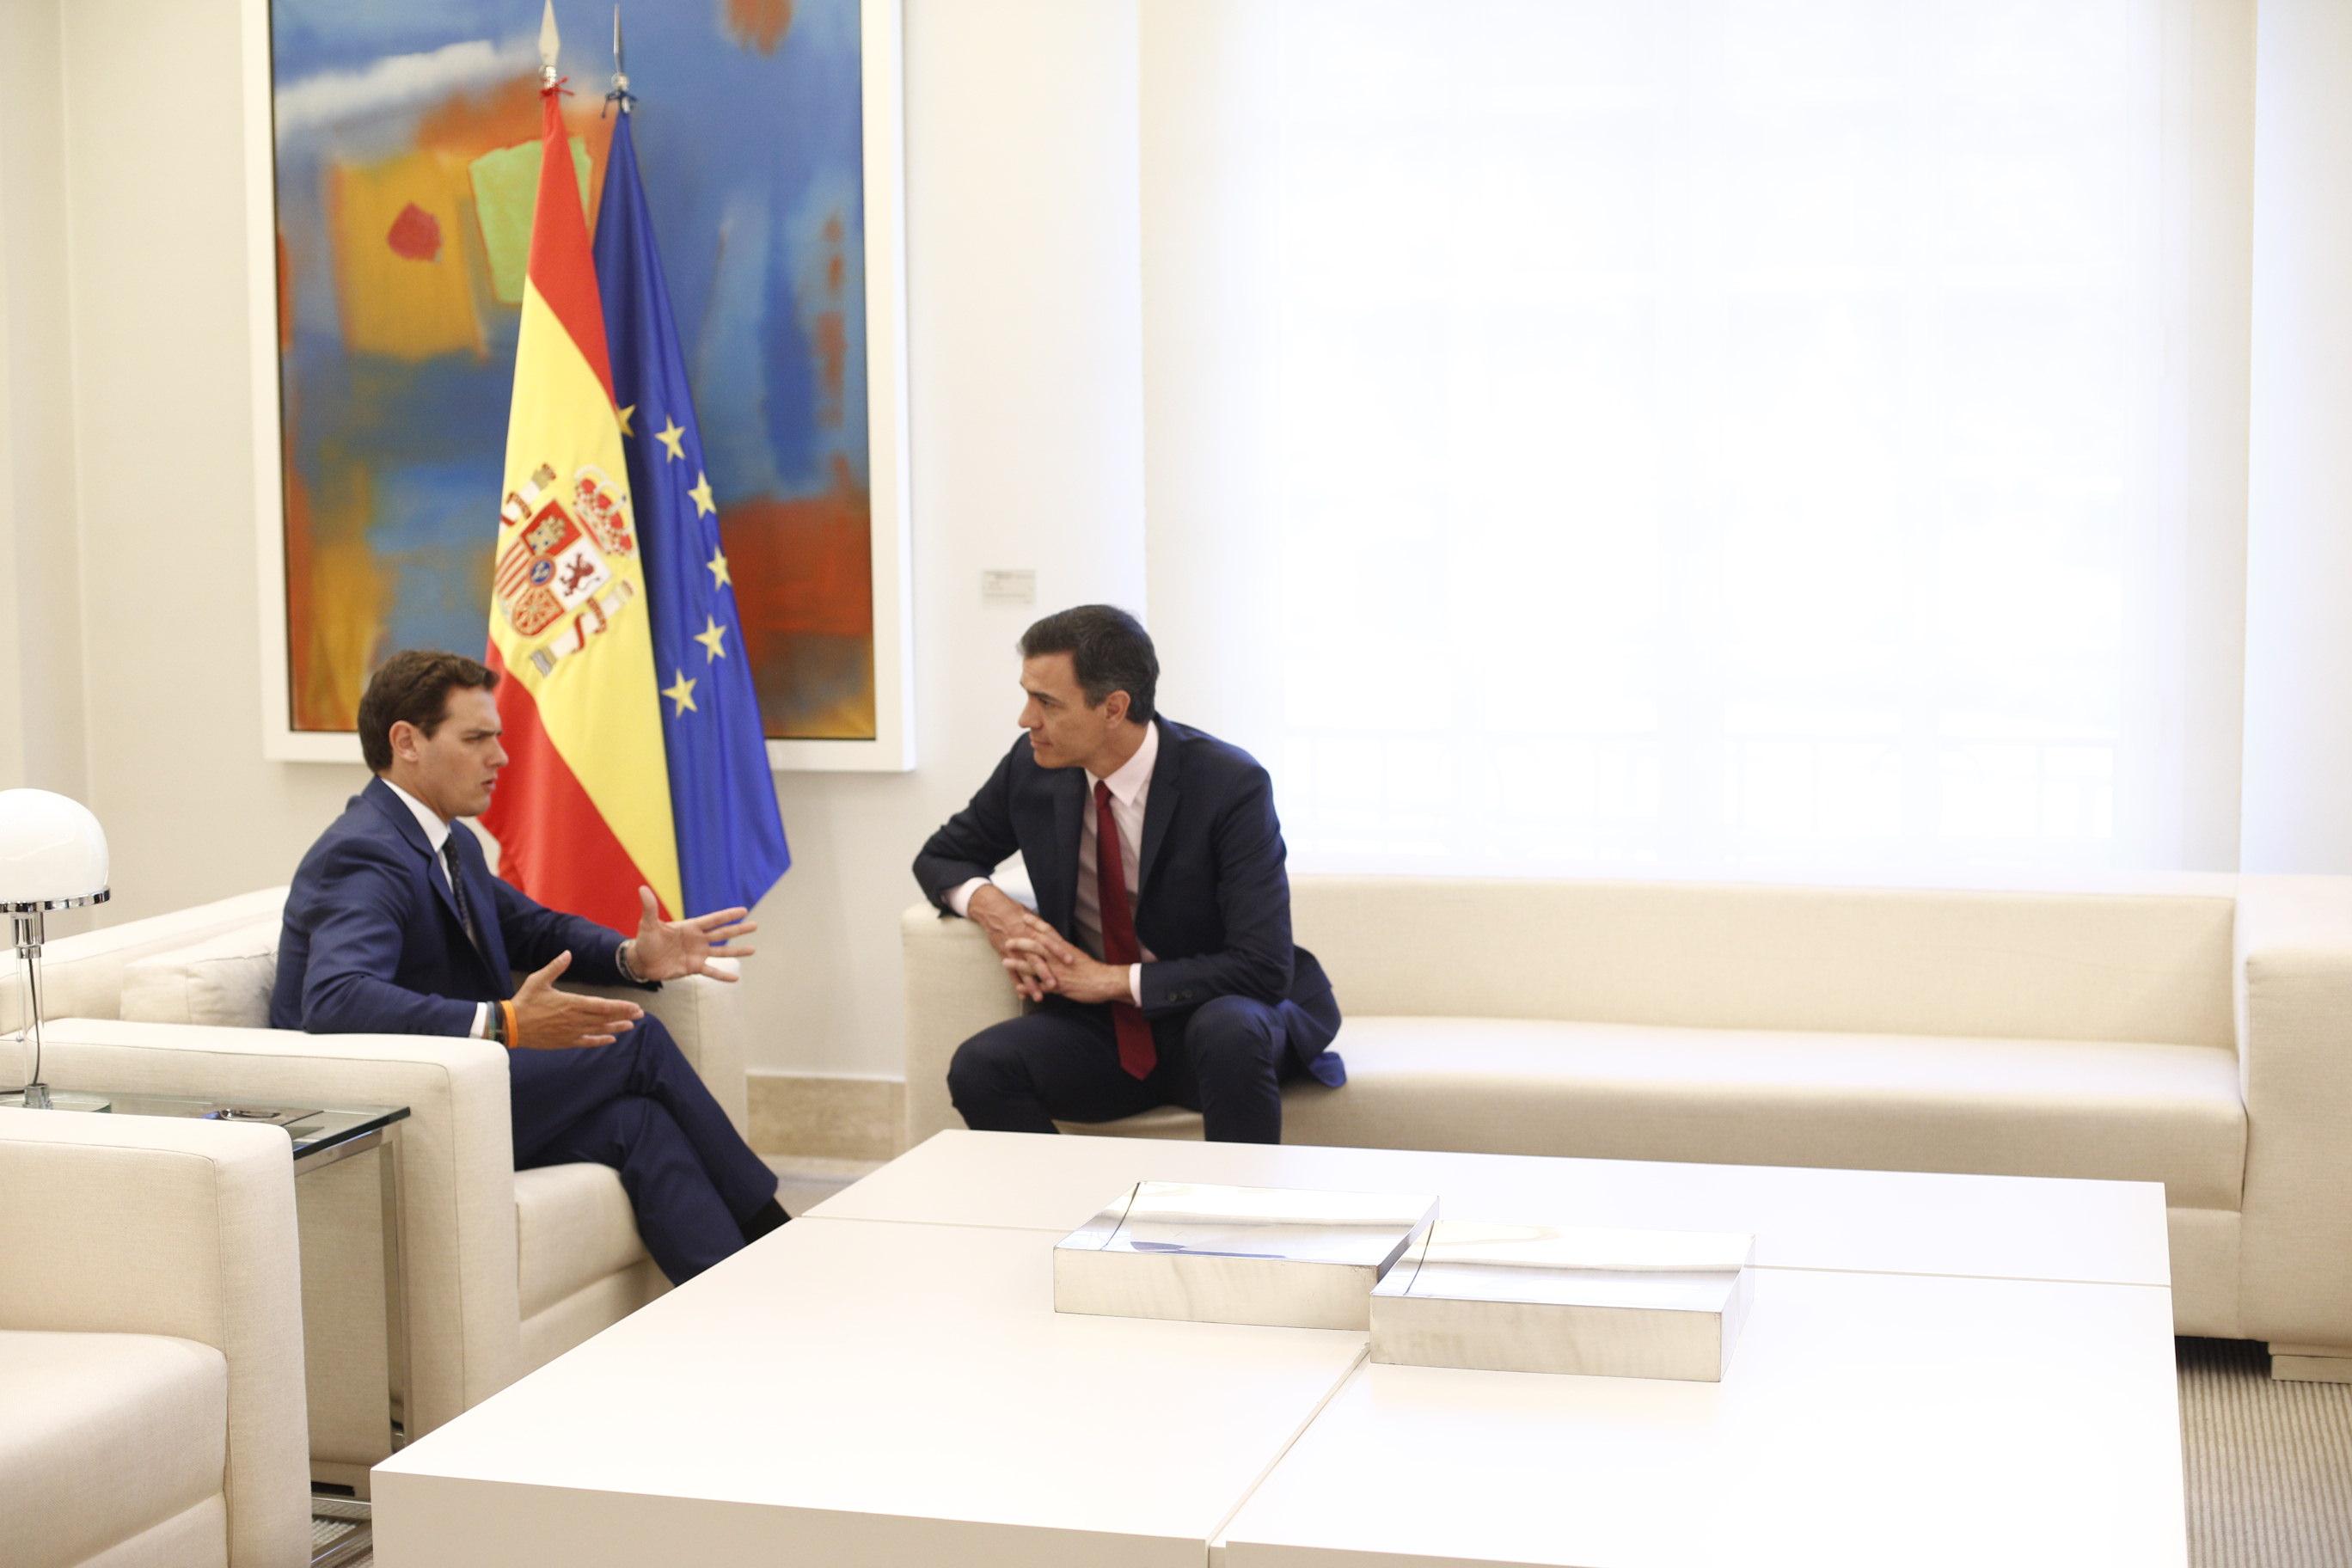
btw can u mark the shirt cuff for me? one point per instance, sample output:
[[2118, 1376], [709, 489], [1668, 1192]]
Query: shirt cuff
[[960, 899], [1135, 983], [481, 1030]]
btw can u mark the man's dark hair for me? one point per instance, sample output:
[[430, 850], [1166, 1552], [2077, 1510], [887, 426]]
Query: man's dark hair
[[414, 685], [1109, 651]]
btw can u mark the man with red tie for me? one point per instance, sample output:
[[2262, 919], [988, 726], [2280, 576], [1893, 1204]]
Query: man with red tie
[[1161, 953]]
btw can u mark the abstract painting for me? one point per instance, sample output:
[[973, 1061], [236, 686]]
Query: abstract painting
[[404, 155]]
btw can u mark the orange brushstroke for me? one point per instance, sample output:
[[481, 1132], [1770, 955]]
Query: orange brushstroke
[[760, 23], [285, 296], [803, 567], [334, 605]]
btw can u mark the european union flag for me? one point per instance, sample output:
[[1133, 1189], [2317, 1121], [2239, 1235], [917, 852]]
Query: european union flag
[[731, 834]]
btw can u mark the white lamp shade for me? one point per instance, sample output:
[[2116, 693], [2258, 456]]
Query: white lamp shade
[[52, 851]]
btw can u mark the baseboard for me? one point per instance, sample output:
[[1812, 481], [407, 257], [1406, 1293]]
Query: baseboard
[[808, 1115]]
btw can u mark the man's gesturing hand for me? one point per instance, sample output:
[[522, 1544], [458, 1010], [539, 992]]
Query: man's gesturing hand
[[547, 1019], [1031, 965], [672, 950]]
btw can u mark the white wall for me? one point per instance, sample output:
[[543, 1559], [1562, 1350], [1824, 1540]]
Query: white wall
[[1026, 383], [2298, 742], [1026, 388], [41, 696], [1210, 72]]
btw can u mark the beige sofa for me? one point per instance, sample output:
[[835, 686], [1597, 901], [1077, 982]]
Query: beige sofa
[[506, 1270], [2197, 1032], [150, 1371]]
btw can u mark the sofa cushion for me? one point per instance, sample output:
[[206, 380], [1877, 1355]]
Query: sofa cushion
[[224, 980], [573, 1227], [81, 976], [1741, 1097], [105, 1435], [2151, 965]]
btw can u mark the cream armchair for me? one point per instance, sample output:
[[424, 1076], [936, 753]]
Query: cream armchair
[[150, 1337], [506, 1270]]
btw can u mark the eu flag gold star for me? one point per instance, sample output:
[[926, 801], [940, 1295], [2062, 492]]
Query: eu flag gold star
[[672, 438], [632, 408], [681, 693], [712, 636], [717, 565], [703, 505]]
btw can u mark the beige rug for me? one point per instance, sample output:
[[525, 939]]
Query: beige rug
[[2268, 1466]]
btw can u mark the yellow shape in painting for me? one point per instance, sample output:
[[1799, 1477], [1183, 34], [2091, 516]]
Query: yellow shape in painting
[[718, 566], [703, 505], [672, 438], [399, 273], [681, 692], [712, 636]]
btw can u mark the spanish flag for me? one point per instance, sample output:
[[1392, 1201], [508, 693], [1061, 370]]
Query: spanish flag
[[582, 812]]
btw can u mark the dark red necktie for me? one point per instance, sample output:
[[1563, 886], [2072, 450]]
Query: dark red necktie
[[1137, 1054]]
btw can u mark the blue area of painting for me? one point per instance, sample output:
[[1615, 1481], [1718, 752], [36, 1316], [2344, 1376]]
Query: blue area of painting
[[722, 131], [422, 508]]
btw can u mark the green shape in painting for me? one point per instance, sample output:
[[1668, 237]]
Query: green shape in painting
[[506, 185]]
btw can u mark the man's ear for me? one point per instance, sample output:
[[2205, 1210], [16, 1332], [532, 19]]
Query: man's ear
[[1115, 705], [402, 736]]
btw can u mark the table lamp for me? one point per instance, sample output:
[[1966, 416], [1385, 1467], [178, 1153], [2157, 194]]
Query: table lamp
[[52, 857]]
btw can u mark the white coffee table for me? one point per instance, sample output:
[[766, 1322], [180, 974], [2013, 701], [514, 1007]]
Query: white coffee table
[[859, 1393], [2019, 1228], [1864, 1419], [1938, 1368]]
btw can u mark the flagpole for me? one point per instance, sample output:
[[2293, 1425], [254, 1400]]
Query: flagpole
[[620, 93], [549, 43]]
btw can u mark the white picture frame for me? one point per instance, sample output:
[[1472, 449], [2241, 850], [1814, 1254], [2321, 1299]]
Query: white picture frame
[[892, 749]]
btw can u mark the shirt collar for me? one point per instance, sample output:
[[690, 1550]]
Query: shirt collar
[[1132, 778], [436, 832]]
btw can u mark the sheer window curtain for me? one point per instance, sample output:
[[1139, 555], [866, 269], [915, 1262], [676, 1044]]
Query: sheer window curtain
[[1712, 437]]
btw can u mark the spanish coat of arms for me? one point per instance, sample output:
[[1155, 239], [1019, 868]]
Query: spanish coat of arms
[[557, 574]]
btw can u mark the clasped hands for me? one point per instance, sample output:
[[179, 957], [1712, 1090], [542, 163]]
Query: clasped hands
[[1036, 956], [547, 1019]]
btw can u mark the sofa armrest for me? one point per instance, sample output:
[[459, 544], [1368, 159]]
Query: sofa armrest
[[706, 1018], [955, 988], [2294, 984], [141, 1225], [456, 1165]]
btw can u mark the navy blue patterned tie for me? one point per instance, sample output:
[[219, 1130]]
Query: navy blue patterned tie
[[458, 887]]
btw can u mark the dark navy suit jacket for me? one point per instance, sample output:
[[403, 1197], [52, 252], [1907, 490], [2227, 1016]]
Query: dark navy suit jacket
[[1213, 899], [372, 944]]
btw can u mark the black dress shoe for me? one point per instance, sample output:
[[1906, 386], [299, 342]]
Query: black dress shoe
[[768, 1216]]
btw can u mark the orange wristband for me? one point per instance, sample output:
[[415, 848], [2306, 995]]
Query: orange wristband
[[507, 1017]]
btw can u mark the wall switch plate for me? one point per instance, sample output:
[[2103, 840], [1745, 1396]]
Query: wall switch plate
[[1008, 586]]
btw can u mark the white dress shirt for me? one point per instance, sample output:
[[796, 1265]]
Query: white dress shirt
[[1130, 788], [436, 834]]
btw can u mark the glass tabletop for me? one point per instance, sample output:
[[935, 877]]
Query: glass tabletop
[[314, 1128]]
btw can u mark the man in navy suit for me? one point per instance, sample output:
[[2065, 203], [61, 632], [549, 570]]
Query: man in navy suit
[[395, 925], [1161, 953]]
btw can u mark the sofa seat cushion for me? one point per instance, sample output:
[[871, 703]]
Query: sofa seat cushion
[[1889, 1103], [572, 1228], [103, 1436]]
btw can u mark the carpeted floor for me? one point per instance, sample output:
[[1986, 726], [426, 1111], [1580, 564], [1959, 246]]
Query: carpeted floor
[[2267, 1466]]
